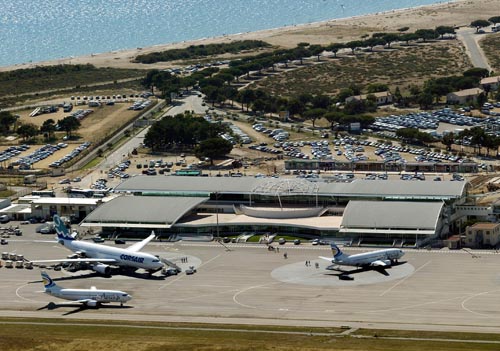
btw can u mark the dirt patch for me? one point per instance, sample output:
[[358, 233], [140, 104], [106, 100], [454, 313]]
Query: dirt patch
[[98, 125]]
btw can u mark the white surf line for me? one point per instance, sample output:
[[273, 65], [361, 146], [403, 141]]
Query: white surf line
[[404, 279], [179, 277]]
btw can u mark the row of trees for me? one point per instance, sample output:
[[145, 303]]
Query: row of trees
[[9, 124], [481, 23], [200, 51]]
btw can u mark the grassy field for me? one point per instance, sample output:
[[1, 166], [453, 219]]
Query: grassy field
[[401, 67], [40, 79], [57, 335], [490, 45]]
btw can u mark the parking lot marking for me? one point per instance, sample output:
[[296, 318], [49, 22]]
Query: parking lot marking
[[404, 279]]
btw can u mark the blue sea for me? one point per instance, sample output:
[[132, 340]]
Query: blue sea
[[37, 30]]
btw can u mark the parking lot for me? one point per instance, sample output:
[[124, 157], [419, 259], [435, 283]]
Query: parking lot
[[442, 290]]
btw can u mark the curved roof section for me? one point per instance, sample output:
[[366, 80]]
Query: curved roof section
[[392, 215], [142, 211], [403, 189], [204, 186]]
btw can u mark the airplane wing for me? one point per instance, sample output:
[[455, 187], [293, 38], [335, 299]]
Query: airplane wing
[[379, 263], [138, 246], [329, 259], [86, 260], [86, 301], [381, 270]]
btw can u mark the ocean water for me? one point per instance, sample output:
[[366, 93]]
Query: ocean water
[[37, 30]]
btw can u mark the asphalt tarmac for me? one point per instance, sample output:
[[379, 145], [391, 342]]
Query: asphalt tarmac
[[247, 284]]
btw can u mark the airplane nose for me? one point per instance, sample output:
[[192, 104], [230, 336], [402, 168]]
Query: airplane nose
[[129, 297]]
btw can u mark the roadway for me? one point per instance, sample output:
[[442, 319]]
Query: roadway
[[188, 103], [470, 40], [435, 290]]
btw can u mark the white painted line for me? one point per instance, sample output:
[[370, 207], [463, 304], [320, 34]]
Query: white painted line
[[404, 279]]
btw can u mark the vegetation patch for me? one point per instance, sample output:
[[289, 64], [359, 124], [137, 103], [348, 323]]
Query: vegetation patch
[[401, 67], [43, 78], [490, 45], [201, 51], [99, 335]]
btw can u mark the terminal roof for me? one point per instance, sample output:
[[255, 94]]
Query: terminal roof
[[142, 211]]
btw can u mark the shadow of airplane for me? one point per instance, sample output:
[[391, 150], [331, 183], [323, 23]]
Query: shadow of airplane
[[79, 307], [114, 272], [346, 274]]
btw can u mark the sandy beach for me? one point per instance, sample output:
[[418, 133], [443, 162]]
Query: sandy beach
[[456, 13]]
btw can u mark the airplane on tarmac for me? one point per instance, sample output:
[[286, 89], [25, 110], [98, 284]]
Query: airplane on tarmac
[[377, 260], [102, 257], [89, 297]]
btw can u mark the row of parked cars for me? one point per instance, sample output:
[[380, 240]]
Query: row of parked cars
[[277, 134], [119, 171], [38, 155], [71, 155], [424, 120], [140, 105], [12, 151]]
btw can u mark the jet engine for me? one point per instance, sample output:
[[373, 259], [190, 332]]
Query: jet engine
[[387, 262], [102, 268], [91, 303]]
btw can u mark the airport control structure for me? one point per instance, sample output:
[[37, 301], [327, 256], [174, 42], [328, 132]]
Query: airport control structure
[[386, 211]]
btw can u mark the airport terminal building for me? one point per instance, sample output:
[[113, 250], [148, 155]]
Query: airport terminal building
[[361, 210]]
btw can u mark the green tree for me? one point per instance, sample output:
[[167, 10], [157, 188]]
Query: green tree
[[494, 20], [478, 24], [334, 117], [391, 38], [335, 47], [69, 125], [7, 119], [448, 140], [442, 30], [314, 114], [48, 128], [213, 148], [426, 34], [27, 131]]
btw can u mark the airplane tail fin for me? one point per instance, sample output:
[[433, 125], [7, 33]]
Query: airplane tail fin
[[61, 230], [337, 253], [48, 283]]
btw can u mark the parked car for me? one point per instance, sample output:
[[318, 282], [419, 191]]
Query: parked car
[[190, 270]]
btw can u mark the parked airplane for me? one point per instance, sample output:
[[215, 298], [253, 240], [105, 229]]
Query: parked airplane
[[373, 260], [101, 257], [89, 297]]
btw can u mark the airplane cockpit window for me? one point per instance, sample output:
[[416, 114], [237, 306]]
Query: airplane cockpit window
[[155, 261]]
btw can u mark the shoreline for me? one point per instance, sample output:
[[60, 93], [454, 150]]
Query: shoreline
[[341, 30]]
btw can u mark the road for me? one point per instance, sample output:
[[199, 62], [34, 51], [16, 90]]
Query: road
[[470, 39], [188, 103]]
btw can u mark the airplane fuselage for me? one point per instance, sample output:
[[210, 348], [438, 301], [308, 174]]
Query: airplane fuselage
[[123, 257], [100, 296], [367, 258]]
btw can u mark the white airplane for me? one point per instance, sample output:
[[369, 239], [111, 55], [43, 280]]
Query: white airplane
[[101, 257], [89, 297], [376, 260]]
